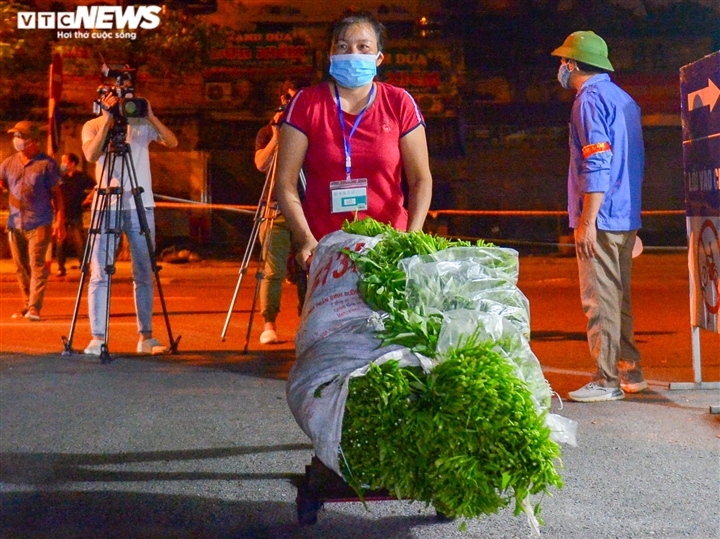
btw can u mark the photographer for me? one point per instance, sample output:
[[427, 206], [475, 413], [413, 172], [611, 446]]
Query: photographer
[[139, 133], [277, 256]]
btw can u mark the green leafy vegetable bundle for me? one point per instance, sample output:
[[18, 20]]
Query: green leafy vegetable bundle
[[382, 282], [467, 437]]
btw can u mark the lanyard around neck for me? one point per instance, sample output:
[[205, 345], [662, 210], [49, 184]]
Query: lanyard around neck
[[346, 139]]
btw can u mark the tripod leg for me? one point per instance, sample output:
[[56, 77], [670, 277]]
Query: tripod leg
[[244, 265], [108, 253], [262, 213], [252, 313], [100, 222], [98, 210], [266, 243], [149, 235]]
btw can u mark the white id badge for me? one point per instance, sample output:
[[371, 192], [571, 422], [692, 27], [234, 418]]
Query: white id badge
[[349, 195]]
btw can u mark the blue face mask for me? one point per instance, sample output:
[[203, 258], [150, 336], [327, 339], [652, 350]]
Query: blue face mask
[[563, 76], [353, 70]]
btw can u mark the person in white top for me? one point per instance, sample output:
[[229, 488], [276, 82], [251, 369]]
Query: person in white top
[[140, 132]]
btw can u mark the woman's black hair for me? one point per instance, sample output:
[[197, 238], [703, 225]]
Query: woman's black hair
[[351, 17]]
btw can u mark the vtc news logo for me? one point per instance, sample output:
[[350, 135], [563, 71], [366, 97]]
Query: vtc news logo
[[92, 18]]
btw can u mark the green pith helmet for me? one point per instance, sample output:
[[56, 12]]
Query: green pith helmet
[[587, 47]]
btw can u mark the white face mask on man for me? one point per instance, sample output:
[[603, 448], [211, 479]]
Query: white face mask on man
[[19, 143]]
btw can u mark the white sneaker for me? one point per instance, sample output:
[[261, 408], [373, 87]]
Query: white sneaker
[[593, 392], [152, 347], [94, 348], [268, 337]]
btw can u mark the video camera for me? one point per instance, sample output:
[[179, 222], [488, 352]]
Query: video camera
[[128, 105]]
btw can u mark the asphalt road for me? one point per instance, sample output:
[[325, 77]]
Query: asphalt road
[[201, 444]]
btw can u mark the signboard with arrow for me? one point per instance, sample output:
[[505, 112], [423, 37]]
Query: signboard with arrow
[[705, 97], [700, 103]]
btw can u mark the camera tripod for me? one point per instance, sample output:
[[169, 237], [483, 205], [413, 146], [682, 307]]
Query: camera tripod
[[266, 212], [107, 220]]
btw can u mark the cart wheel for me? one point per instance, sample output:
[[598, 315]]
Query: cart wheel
[[307, 507]]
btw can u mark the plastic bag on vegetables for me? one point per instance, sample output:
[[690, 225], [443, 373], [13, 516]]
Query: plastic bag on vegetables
[[500, 262], [478, 278], [458, 325]]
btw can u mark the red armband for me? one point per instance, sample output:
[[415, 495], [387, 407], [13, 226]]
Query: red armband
[[598, 147]]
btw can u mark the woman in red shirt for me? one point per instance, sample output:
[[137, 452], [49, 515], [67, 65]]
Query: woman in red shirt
[[353, 138]]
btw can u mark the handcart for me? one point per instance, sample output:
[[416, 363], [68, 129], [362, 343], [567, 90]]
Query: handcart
[[320, 484]]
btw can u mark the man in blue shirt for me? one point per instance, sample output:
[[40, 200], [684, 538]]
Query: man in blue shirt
[[605, 177], [32, 178]]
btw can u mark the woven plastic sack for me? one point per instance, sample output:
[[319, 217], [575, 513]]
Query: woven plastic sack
[[332, 300], [335, 338]]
